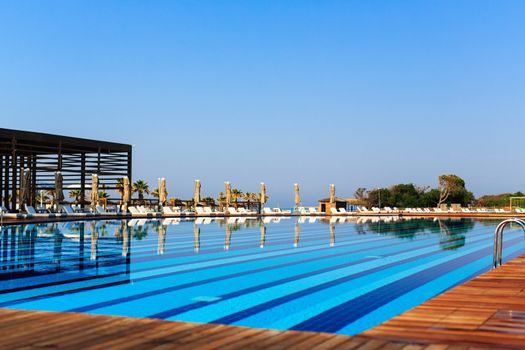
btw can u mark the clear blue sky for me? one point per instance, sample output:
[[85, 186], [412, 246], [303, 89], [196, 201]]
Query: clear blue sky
[[356, 93]]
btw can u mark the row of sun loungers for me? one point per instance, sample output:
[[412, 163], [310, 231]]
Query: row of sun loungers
[[68, 210]]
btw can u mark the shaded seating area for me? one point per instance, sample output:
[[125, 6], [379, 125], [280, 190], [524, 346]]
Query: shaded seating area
[[32, 162]]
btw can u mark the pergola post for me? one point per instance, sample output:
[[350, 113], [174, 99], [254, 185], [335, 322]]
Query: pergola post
[[82, 179], [14, 173]]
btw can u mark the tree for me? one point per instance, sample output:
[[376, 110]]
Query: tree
[[236, 194], [140, 187], [75, 194], [209, 201], [155, 193], [119, 187], [360, 193], [452, 190], [41, 196], [448, 184], [103, 194]]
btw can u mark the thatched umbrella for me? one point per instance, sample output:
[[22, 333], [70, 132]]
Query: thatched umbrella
[[126, 193], [94, 191], [297, 198], [24, 188], [59, 186], [197, 194], [196, 237], [162, 191], [228, 192], [228, 239], [161, 245], [296, 235], [332, 193], [263, 194], [332, 234], [263, 236]]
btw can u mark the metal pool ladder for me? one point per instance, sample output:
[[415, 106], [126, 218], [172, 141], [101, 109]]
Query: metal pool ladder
[[498, 239]]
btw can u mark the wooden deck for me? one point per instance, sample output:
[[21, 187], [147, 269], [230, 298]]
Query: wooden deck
[[50, 330], [486, 311]]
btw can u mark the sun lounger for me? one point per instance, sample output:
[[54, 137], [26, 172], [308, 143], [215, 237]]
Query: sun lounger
[[100, 210], [210, 211], [136, 211], [313, 211], [303, 211], [170, 211], [233, 211], [246, 212], [200, 211], [334, 211], [68, 210], [31, 212], [267, 211], [343, 211]]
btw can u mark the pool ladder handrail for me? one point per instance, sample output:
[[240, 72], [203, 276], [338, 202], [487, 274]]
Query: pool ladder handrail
[[498, 239]]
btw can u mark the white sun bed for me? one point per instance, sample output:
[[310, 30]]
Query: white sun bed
[[30, 210], [68, 210], [232, 211]]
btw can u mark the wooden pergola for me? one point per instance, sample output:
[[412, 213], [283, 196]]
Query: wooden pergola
[[45, 154]]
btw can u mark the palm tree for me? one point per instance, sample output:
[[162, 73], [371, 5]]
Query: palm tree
[[209, 201], [103, 194], [41, 196], [75, 194], [155, 193], [236, 194], [248, 196], [140, 187], [119, 187]]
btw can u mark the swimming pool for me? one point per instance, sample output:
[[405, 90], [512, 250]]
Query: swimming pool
[[288, 273]]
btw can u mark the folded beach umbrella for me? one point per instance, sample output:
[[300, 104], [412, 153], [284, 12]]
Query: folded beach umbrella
[[23, 197], [228, 192], [263, 194], [197, 195], [94, 191], [162, 191], [297, 200], [126, 193], [59, 186], [332, 193]]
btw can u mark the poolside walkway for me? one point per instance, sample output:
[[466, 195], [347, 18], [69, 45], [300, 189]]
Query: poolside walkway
[[486, 311], [51, 330]]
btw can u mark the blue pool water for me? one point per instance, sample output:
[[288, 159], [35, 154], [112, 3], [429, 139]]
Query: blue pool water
[[302, 274]]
